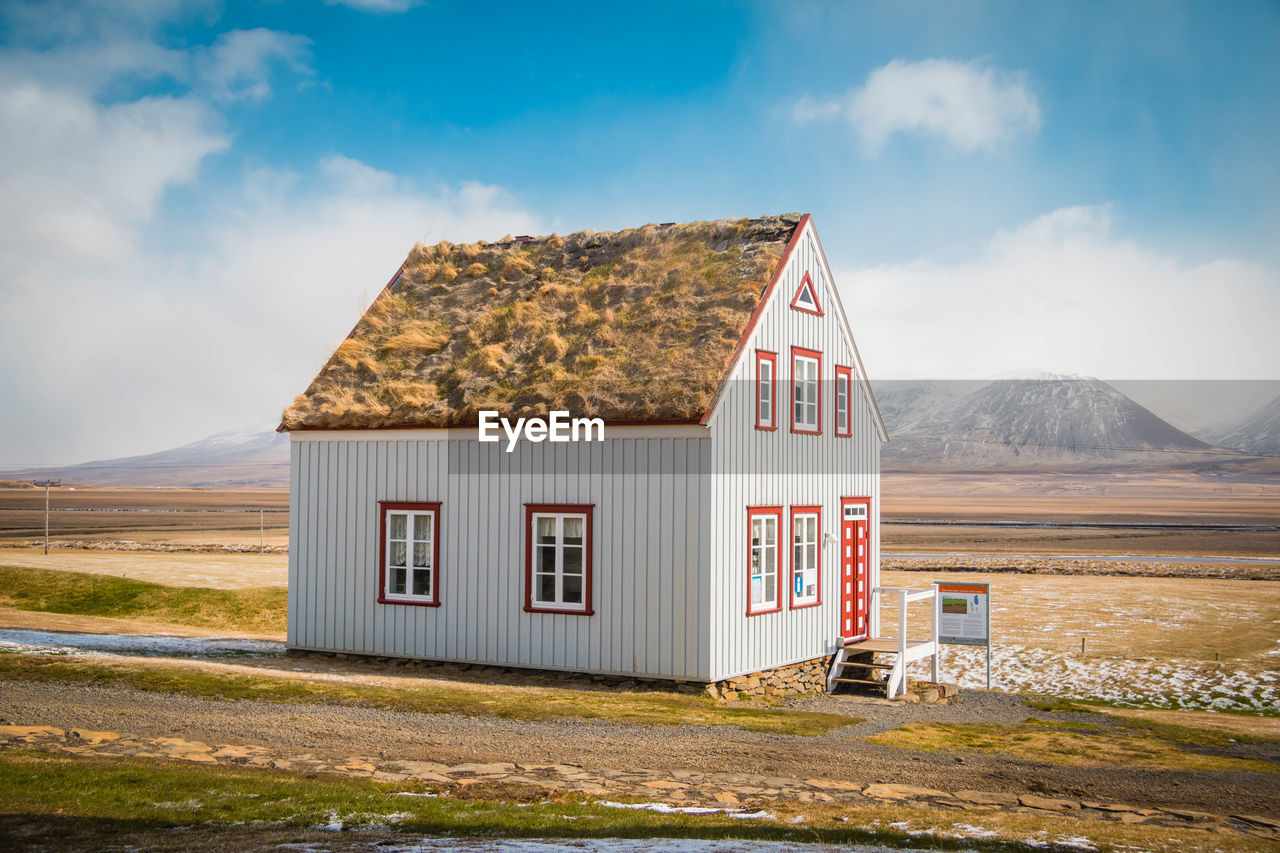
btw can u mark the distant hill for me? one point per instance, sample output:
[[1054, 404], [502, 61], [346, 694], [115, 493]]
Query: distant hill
[[1258, 432], [226, 460], [1024, 423]]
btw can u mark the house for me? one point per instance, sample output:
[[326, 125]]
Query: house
[[726, 524]]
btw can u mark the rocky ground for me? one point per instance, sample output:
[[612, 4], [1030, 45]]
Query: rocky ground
[[686, 765]]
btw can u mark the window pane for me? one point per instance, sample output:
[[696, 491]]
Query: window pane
[[398, 552], [546, 588], [573, 589], [422, 582], [544, 558], [573, 531], [546, 529], [422, 525], [572, 560], [397, 581], [421, 554], [397, 520]]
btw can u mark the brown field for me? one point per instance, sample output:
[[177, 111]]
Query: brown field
[[1112, 498], [195, 517], [174, 516]]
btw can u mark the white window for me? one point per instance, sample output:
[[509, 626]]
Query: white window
[[559, 570], [844, 388], [766, 364], [806, 367], [763, 562], [410, 552], [804, 556]]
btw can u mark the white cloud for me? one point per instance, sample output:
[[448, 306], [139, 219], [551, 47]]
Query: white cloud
[[77, 176], [1065, 293], [378, 6], [240, 64], [969, 105], [162, 346]]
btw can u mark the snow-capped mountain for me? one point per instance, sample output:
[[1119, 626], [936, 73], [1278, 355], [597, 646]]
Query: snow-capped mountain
[[1022, 422], [243, 459], [1258, 432]]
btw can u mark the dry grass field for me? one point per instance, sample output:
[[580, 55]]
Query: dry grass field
[[1103, 498], [168, 516]]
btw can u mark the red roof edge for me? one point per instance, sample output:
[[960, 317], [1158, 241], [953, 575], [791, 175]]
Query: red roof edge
[[381, 293], [755, 316]]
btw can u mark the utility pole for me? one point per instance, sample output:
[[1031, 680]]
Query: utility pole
[[46, 484]]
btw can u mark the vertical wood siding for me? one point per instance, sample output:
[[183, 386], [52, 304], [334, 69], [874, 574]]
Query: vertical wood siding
[[753, 467], [651, 546]]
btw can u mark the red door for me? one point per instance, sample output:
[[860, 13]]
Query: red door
[[855, 583]]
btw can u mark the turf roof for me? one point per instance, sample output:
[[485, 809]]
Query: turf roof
[[638, 324]]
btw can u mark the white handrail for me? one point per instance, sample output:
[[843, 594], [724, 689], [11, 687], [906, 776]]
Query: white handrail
[[898, 677]]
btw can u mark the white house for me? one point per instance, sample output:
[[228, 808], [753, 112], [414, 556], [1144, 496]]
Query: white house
[[727, 523]]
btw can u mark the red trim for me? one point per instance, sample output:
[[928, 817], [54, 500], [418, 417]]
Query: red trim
[[381, 293], [755, 316], [776, 512], [845, 375], [476, 424], [413, 506], [558, 509], [807, 281], [845, 501], [805, 510], [763, 355], [810, 353]]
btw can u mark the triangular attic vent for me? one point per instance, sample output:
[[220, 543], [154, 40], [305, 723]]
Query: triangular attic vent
[[806, 298]]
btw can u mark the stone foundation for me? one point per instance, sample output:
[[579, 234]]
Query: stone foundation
[[807, 677]]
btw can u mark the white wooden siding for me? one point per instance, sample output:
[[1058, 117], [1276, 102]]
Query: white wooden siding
[[651, 535], [754, 468]]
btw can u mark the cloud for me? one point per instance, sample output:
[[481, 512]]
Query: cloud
[[127, 327], [240, 64], [1063, 292], [77, 176], [382, 7], [968, 105], [164, 345]]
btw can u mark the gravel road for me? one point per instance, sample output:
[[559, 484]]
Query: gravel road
[[329, 730]]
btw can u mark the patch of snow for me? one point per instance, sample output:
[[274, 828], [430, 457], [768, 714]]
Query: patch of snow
[[72, 643]]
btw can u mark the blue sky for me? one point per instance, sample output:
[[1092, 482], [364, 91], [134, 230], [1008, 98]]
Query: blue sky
[[201, 196]]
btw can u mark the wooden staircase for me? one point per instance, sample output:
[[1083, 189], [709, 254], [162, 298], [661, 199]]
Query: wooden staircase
[[855, 663]]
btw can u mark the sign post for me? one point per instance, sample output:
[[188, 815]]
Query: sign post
[[964, 616]]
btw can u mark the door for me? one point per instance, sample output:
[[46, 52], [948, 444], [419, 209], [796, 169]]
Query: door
[[855, 580]]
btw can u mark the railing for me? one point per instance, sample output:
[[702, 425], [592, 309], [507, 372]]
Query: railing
[[907, 651]]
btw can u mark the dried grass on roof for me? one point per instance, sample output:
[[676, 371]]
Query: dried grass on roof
[[635, 324]]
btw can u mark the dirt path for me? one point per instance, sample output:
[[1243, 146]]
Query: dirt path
[[338, 732]]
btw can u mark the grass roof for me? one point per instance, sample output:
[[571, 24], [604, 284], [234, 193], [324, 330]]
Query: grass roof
[[634, 324]]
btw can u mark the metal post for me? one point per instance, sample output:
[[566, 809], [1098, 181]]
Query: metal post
[[261, 523], [46, 484], [988, 661]]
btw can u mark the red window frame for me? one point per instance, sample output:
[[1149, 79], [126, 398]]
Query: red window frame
[[791, 559], [809, 353], [776, 512], [587, 562], [843, 375], [385, 507], [807, 281], [762, 356]]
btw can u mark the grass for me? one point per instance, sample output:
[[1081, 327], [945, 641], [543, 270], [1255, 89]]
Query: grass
[[430, 697], [1213, 729], [256, 611], [635, 323], [1070, 743], [58, 801]]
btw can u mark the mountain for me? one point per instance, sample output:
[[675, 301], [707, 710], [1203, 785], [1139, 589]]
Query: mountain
[[1017, 423], [226, 460], [1258, 432]]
